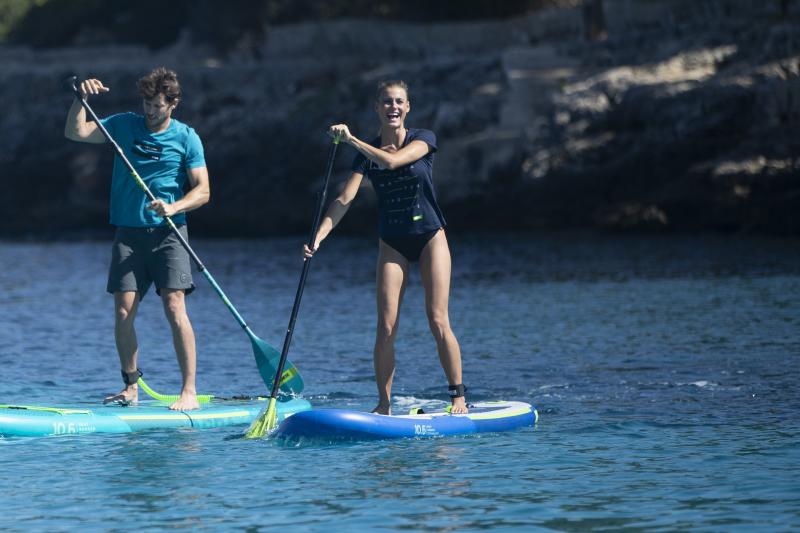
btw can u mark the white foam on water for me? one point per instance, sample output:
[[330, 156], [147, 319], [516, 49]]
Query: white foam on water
[[701, 383], [413, 401], [554, 386]]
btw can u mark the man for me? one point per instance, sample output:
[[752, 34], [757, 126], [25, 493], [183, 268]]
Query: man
[[168, 155]]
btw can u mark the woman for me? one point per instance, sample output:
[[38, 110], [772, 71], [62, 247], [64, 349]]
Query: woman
[[400, 165]]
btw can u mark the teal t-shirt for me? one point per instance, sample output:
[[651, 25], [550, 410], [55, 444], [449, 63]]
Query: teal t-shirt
[[161, 159]]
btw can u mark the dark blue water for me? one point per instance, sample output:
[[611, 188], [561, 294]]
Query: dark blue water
[[665, 371]]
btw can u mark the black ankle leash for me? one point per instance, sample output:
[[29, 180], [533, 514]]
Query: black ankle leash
[[126, 376], [457, 391]]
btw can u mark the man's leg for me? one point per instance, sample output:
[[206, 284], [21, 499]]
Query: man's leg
[[126, 304], [183, 339]]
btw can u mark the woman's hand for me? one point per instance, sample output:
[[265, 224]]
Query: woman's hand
[[341, 131], [308, 252]]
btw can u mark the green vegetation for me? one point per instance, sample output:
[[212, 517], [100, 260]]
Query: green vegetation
[[12, 11]]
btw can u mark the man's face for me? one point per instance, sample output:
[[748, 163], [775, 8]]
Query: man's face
[[157, 110]]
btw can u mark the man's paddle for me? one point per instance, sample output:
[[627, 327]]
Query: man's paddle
[[267, 357], [268, 418]]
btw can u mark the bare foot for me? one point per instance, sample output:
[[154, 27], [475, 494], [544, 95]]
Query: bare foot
[[459, 406], [127, 396], [187, 401], [383, 409]]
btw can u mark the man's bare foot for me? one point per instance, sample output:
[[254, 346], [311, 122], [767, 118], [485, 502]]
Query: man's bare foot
[[187, 401], [383, 409], [459, 406], [129, 395]]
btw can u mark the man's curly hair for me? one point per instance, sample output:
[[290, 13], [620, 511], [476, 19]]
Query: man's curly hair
[[160, 81]]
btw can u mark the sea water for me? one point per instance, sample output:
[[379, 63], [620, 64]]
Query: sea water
[[664, 368]]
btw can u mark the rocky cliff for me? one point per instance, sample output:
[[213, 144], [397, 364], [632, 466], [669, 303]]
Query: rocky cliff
[[685, 118]]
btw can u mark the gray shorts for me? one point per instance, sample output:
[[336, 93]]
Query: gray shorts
[[143, 256]]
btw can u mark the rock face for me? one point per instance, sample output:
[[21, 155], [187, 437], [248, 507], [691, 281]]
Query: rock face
[[685, 118]]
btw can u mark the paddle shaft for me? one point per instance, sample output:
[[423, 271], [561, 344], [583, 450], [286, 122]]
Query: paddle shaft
[[306, 263], [170, 223]]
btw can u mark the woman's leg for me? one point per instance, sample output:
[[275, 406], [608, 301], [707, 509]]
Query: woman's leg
[[435, 270], [392, 272]]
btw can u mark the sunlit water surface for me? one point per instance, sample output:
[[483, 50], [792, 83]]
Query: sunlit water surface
[[665, 371]]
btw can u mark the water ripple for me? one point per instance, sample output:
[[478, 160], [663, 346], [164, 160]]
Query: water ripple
[[664, 369]]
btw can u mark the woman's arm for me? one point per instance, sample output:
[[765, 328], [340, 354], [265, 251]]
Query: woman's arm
[[336, 211], [413, 151]]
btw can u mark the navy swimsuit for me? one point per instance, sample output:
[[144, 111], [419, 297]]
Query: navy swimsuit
[[410, 246], [408, 213]]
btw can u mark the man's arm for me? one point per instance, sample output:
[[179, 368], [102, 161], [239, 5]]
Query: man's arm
[[198, 195], [77, 128]]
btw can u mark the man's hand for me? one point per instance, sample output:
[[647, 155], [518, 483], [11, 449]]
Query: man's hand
[[92, 86], [162, 208]]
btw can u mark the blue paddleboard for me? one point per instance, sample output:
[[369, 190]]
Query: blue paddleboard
[[343, 424], [45, 421]]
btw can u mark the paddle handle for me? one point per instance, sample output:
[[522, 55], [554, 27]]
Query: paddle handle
[[322, 195]]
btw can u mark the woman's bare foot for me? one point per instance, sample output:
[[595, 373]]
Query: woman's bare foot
[[187, 401], [459, 406], [127, 396], [383, 409]]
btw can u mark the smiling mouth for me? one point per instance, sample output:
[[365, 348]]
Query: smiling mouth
[[392, 116]]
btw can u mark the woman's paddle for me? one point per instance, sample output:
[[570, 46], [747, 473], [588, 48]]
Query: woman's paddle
[[268, 419], [266, 356]]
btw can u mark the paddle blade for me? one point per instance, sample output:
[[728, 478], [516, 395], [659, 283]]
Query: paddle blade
[[266, 422], [267, 360]]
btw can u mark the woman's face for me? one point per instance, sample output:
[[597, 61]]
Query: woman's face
[[393, 106]]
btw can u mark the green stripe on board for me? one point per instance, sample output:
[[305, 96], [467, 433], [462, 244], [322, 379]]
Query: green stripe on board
[[59, 410]]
